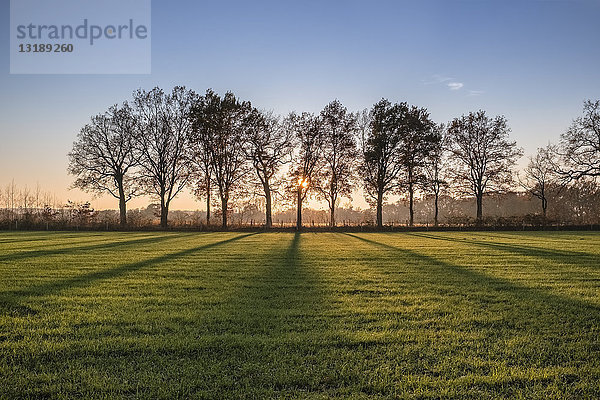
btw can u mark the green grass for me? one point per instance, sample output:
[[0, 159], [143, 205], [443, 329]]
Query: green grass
[[311, 315]]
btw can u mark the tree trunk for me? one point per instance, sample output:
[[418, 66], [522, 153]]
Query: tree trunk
[[332, 216], [164, 212], [544, 206], [299, 209], [208, 201], [380, 210], [224, 201], [122, 203], [479, 208], [411, 195], [268, 216], [435, 215], [332, 211]]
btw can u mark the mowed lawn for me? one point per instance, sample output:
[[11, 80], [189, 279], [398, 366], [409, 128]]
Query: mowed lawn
[[311, 315]]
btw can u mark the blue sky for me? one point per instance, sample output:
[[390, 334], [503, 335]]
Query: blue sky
[[535, 62]]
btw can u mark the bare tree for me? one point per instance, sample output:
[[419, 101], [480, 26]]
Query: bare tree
[[222, 122], [308, 130], [37, 196], [200, 142], [103, 157], [418, 139], [381, 165], [540, 175], [339, 154], [268, 147], [26, 199], [201, 172], [482, 154], [163, 127], [580, 144], [434, 169]]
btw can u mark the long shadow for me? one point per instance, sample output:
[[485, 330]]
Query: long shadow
[[27, 237], [254, 338], [280, 309], [566, 256], [9, 301], [292, 255], [73, 249], [17, 240], [487, 323], [286, 290], [565, 308], [47, 243]]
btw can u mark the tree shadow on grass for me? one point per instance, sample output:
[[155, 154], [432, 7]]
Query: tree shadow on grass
[[563, 256], [268, 331], [10, 301], [255, 337], [44, 236], [289, 290], [24, 250], [563, 306], [503, 325], [73, 249], [279, 296]]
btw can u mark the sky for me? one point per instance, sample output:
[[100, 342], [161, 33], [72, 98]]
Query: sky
[[533, 61]]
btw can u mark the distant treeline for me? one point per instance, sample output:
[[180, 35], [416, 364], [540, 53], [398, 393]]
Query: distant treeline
[[575, 205], [243, 161]]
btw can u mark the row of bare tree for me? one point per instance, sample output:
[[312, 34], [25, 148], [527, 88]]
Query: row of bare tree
[[577, 204], [159, 143]]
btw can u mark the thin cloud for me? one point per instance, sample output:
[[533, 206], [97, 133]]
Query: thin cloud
[[451, 83], [436, 79], [455, 85], [476, 92]]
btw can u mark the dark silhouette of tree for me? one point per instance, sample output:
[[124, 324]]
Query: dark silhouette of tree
[[163, 129], [434, 169], [201, 171], [580, 144], [307, 163], [482, 154], [340, 155], [269, 146], [540, 176], [418, 139], [200, 142], [222, 122], [103, 157], [381, 166], [79, 213]]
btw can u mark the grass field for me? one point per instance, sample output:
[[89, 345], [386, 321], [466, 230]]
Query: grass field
[[311, 315]]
